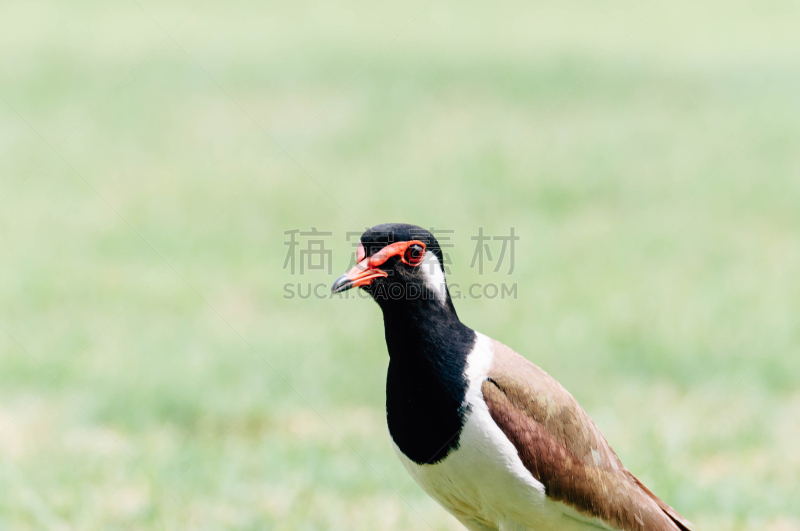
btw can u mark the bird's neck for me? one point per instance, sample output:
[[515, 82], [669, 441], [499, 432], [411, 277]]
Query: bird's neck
[[426, 385], [425, 333]]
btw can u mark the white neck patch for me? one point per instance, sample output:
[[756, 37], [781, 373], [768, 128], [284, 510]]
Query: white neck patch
[[433, 273]]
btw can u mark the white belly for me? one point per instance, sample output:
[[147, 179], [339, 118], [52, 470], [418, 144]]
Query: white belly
[[484, 483]]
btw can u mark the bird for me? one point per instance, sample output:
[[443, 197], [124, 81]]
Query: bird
[[490, 436]]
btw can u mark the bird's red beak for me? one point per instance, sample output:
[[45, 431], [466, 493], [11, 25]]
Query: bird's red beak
[[368, 268], [360, 275]]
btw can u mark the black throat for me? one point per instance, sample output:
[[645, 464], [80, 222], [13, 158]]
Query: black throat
[[425, 386]]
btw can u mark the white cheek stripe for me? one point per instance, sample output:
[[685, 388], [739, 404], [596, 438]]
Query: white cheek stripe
[[433, 274]]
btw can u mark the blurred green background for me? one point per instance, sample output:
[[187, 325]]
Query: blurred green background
[[152, 374]]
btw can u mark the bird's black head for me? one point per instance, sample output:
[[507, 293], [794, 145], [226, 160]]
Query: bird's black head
[[396, 264]]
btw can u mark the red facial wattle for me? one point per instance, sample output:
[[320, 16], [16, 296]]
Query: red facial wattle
[[368, 268]]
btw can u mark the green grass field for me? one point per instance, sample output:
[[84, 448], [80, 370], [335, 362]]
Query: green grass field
[[152, 374]]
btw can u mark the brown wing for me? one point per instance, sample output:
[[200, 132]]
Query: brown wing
[[563, 449]]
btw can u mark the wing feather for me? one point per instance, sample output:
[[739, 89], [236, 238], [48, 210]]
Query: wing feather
[[564, 450]]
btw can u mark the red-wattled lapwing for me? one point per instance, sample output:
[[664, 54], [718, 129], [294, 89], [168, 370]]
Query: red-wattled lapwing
[[488, 434]]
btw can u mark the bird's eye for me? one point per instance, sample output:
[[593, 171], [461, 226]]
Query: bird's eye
[[414, 254]]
